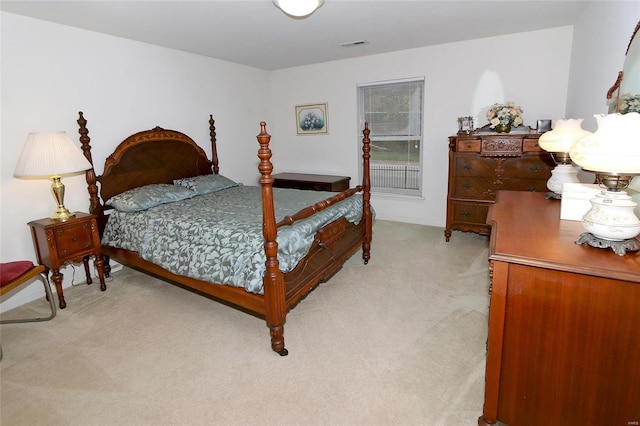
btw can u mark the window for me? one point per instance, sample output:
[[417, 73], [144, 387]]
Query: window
[[393, 110]]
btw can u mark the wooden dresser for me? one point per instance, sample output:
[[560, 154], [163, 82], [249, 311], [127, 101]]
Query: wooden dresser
[[311, 182], [480, 164], [564, 322]]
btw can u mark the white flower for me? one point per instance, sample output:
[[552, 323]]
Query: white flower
[[505, 113]]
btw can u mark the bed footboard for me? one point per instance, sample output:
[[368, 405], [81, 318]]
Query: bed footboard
[[332, 246]]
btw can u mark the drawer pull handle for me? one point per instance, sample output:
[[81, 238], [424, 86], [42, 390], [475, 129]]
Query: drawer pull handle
[[75, 239], [532, 189], [465, 213], [468, 167], [467, 186], [534, 168]]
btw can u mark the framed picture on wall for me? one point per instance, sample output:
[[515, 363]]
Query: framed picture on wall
[[312, 119]]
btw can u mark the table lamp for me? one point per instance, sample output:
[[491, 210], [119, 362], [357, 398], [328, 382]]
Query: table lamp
[[558, 142], [612, 152], [51, 156]]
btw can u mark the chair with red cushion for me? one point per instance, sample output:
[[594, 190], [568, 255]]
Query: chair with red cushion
[[15, 274]]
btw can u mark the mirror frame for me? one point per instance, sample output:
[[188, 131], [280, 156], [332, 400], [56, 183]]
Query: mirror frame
[[614, 91]]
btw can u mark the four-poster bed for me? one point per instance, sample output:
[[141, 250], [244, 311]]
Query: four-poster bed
[[162, 159]]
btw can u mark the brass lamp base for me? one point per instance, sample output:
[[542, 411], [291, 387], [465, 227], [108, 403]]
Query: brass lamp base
[[57, 188], [62, 214]]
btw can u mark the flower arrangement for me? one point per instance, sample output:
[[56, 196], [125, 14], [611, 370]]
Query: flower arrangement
[[629, 103], [505, 114]]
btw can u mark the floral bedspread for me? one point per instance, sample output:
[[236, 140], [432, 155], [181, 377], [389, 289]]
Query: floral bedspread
[[217, 237]]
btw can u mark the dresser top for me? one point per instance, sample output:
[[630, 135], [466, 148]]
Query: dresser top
[[484, 134], [527, 229], [306, 177]]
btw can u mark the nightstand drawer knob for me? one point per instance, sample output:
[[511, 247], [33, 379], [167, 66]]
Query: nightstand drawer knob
[[75, 239], [467, 186], [468, 167]]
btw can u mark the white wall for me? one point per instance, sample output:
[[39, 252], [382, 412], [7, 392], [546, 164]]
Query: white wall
[[51, 71], [466, 78]]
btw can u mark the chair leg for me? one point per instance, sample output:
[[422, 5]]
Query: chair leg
[[52, 304]]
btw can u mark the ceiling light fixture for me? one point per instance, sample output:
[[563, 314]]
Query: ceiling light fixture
[[298, 8]]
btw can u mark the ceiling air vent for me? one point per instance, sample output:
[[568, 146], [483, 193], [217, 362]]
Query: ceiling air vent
[[354, 43]]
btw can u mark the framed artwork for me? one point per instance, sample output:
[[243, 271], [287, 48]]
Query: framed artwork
[[312, 119]]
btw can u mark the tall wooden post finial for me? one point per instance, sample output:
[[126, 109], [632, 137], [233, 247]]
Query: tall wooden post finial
[[214, 146], [273, 280]]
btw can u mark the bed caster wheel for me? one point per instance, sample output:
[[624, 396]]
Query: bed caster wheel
[[283, 352]]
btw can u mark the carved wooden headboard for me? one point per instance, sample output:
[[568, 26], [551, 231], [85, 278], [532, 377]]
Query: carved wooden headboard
[[151, 156]]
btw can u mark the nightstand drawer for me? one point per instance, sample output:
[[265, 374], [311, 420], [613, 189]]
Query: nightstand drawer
[[72, 240]]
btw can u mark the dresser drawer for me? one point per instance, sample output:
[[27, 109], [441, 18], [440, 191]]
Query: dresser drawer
[[531, 145], [470, 213], [473, 165], [72, 240], [527, 167], [474, 188], [502, 146], [468, 146], [531, 185]]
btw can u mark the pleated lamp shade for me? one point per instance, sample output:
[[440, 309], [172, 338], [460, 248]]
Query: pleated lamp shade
[[49, 154]]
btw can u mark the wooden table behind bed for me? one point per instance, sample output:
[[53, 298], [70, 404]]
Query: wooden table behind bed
[[161, 156]]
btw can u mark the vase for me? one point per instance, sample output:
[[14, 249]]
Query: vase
[[503, 127]]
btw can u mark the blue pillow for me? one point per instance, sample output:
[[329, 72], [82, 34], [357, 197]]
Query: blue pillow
[[205, 184], [145, 197]]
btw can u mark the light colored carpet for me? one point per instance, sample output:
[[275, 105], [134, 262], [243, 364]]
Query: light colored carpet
[[400, 341]]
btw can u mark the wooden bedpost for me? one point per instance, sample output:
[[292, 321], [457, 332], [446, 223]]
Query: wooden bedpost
[[273, 281], [95, 207], [366, 194], [214, 145]]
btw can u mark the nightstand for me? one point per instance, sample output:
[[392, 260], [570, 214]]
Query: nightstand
[[311, 182], [73, 241]]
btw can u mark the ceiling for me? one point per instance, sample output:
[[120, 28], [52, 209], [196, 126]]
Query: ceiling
[[258, 34]]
